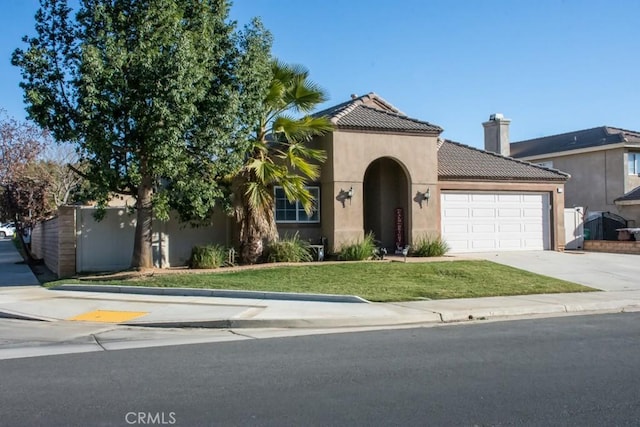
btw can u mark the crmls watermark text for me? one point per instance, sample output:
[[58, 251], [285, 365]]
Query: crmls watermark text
[[150, 418]]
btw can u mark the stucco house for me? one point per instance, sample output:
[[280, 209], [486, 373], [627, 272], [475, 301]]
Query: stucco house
[[385, 173], [604, 164], [393, 175]]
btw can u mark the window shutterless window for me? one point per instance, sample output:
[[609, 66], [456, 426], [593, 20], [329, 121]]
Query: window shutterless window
[[546, 164], [294, 212], [634, 163]]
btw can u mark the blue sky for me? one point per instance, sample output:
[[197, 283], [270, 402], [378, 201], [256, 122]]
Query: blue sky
[[551, 66]]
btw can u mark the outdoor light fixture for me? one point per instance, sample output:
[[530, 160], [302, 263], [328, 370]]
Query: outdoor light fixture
[[426, 195], [350, 193]]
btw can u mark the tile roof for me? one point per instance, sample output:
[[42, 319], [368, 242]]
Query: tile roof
[[632, 195], [459, 161], [372, 112], [587, 138]]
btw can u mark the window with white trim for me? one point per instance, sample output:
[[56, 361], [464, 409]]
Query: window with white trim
[[634, 163], [294, 212], [547, 164]]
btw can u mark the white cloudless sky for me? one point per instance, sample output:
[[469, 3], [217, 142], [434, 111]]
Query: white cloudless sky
[[551, 66]]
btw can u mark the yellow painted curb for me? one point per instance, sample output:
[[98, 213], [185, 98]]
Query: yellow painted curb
[[109, 316]]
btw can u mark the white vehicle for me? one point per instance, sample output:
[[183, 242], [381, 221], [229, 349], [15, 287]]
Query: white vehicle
[[7, 230]]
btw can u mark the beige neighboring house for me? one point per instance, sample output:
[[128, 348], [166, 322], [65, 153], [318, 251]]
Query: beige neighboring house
[[604, 164], [393, 175]]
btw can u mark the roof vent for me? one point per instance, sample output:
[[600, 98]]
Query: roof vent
[[354, 96]]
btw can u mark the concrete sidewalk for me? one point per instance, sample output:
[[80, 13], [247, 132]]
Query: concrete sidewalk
[[13, 270], [37, 303], [21, 299]]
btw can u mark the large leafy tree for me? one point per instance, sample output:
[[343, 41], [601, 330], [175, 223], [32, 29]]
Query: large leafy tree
[[154, 93], [279, 155], [22, 192]]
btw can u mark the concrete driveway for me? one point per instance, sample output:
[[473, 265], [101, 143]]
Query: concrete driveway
[[609, 272]]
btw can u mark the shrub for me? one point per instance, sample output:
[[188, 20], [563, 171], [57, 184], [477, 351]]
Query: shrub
[[358, 251], [209, 256], [428, 246], [289, 249]]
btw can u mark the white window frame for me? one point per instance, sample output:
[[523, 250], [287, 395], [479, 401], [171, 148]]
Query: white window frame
[[546, 164], [298, 207], [633, 161]]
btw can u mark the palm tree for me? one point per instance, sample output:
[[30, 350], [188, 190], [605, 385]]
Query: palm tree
[[278, 156]]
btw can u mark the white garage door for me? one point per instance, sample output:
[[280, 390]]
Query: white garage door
[[481, 222]]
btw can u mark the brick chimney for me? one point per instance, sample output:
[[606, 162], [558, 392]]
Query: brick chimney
[[496, 134]]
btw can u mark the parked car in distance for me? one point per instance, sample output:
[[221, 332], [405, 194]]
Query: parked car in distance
[[7, 230]]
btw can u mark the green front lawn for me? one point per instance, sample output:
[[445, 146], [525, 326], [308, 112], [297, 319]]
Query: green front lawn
[[375, 281]]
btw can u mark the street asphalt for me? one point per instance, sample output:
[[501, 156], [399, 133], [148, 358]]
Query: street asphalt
[[22, 298]]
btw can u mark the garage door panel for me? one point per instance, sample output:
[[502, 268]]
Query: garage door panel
[[531, 213], [483, 244], [513, 198], [510, 228], [533, 244], [495, 221], [483, 198], [455, 228], [510, 243], [483, 228], [456, 197], [533, 228], [510, 213], [483, 213], [535, 198], [461, 245], [456, 213]]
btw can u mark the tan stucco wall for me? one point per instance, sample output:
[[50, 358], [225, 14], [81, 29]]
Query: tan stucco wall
[[597, 178], [349, 154], [555, 190], [631, 213]]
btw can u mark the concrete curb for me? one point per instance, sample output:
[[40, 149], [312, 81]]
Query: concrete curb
[[4, 314], [286, 323], [425, 319], [218, 293]]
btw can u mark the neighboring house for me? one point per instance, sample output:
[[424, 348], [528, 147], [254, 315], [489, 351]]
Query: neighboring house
[[604, 164], [392, 175]]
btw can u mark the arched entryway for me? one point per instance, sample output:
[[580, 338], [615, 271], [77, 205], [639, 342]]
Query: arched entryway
[[386, 202]]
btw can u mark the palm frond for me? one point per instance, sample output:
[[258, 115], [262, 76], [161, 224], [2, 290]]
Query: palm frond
[[295, 190], [303, 96], [302, 129], [266, 171], [259, 197]]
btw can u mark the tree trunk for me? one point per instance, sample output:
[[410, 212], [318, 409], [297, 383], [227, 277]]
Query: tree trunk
[[251, 246], [142, 240]]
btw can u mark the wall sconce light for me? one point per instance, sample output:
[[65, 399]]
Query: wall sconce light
[[422, 197], [345, 195]]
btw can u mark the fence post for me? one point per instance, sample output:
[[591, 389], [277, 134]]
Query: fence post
[[66, 241]]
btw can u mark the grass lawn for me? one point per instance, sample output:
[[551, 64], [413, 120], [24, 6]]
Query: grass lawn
[[375, 281]]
